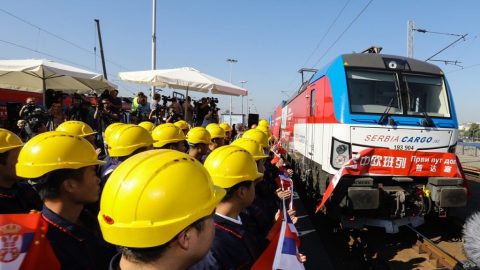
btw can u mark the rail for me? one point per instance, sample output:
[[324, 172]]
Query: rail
[[439, 257]]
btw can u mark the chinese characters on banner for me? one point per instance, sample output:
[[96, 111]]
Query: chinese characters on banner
[[379, 161]]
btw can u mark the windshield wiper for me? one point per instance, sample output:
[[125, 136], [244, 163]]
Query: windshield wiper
[[385, 114], [427, 122]]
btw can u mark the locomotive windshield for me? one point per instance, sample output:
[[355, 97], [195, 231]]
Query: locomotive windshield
[[427, 94], [377, 92]]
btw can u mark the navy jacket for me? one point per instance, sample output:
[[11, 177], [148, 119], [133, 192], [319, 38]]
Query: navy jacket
[[20, 198], [234, 247], [77, 247]]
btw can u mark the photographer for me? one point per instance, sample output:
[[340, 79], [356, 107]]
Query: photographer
[[201, 110], [105, 112], [36, 118], [28, 108], [211, 117]]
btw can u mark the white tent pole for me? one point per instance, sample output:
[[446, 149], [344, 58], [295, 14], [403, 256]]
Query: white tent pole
[[154, 41]]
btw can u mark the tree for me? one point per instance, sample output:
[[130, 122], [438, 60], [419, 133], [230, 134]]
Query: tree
[[474, 131]]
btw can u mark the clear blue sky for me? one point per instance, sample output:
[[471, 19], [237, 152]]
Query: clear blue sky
[[271, 39]]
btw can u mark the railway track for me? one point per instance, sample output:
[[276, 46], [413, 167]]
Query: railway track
[[471, 171], [435, 245]]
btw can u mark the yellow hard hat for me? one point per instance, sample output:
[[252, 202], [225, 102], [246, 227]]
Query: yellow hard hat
[[263, 123], [9, 140], [265, 130], [126, 139], [181, 124], [78, 128], [251, 146], [216, 131], [226, 127], [211, 125], [229, 165], [153, 196], [167, 133], [52, 151], [256, 135], [198, 135], [110, 128], [149, 126]]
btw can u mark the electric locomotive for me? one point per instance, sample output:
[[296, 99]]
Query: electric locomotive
[[371, 100]]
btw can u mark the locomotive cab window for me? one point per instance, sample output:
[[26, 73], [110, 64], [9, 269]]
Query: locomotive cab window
[[312, 103], [427, 94], [373, 92]]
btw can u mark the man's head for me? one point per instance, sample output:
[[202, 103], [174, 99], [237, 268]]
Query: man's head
[[217, 134], [255, 150], [180, 224], [10, 145], [234, 169], [21, 123], [156, 97], [106, 103], [169, 136], [183, 125], [78, 128], [127, 140], [63, 164], [30, 101], [198, 139], [114, 93]]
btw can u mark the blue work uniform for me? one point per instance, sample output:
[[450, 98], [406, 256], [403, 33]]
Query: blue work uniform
[[20, 198], [233, 247], [75, 246]]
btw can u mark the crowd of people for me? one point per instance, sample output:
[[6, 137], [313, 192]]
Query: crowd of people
[[101, 111], [152, 195]]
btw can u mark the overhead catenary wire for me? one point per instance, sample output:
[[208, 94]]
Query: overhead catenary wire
[[59, 37], [339, 14], [327, 32], [344, 31], [58, 58]]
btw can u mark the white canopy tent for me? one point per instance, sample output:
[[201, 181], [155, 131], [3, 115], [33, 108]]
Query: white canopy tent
[[36, 76], [185, 78]]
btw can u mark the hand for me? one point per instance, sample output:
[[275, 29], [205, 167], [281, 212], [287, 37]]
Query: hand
[[292, 213], [301, 258], [290, 173], [283, 194]]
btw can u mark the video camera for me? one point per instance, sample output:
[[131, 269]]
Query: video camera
[[166, 99]]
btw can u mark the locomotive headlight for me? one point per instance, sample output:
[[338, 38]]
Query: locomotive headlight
[[340, 153], [341, 149]]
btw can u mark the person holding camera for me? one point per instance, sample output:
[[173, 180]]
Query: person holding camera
[[201, 110], [36, 118], [106, 113], [28, 108]]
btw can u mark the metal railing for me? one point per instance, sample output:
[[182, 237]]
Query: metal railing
[[468, 149]]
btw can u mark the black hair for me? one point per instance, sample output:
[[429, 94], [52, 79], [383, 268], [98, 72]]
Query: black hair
[[3, 157], [151, 254], [233, 189], [172, 145], [139, 150], [50, 183]]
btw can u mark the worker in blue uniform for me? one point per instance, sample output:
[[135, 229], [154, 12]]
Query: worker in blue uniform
[[64, 166], [234, 246], [154, 220], [16, 196]]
